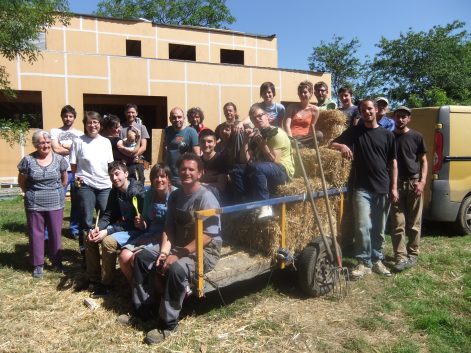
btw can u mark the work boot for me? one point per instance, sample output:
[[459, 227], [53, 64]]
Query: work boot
[[157, 336]]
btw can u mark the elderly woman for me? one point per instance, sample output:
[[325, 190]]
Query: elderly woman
[[152, 219], [89, 158], [42, 177]]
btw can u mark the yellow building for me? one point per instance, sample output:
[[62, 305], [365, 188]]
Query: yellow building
[[101, 64]]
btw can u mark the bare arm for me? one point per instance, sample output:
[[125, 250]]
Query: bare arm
[[394, 193], [420, 184], [344, 149], [59, 149], [315, 114], [22, 181], [141, 147], [270, 154], [64, 178], [287, 121], [196, 150]]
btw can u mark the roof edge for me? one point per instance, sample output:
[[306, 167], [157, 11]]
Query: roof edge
[[196, 28]]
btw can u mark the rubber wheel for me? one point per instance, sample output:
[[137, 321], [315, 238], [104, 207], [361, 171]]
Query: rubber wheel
[[316, 272], [463, 220]]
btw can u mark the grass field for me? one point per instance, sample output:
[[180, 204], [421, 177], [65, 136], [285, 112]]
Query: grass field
[[425, 309]]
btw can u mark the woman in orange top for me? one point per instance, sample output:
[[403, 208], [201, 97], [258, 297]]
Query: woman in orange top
[[300, 116]]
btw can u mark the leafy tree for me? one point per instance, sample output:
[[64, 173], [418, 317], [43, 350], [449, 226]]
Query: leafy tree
[[338, 58], [20, 24], [205, 13], [427, 68]]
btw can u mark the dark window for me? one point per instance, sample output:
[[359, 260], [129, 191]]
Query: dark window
[[26, 105], [182, 52], [232, 56], [133, 47]]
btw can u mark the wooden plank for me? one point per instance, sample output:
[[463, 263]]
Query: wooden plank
[[236, 265]]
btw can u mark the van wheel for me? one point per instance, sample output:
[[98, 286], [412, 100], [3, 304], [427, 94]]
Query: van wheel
[[463, 221], [316, 272]]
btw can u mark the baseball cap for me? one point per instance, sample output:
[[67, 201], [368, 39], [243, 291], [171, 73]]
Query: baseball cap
[[402, 107], [384, 99]]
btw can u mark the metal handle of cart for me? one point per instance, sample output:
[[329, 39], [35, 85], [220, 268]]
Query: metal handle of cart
[[201, 215]]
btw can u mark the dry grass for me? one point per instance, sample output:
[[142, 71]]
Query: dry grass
[[47, 316]]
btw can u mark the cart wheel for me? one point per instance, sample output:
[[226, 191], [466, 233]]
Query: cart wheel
[[316, 272]]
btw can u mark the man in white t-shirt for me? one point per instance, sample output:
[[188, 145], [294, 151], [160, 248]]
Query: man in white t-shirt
[[62, 139]]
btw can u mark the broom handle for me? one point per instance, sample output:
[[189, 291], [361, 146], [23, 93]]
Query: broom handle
[[326, 198], [313, 204]]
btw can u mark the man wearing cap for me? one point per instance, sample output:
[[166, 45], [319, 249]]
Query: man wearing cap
[[406, 214], [382, 104]]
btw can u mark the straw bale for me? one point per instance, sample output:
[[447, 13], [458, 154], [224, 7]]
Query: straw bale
[[331, 123], [263, 237], [336, 169]]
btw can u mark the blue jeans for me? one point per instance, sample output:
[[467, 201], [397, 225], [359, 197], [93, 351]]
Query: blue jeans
[[75, 207], [370, 211], [89, 199], [258, 179]]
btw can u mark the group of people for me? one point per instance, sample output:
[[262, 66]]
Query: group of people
[[241, 160]]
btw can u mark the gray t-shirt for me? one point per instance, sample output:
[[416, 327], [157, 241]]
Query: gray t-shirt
[[44, 189], [180, 222]]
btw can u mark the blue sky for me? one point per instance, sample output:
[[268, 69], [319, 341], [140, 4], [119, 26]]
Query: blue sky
[[302, 24]]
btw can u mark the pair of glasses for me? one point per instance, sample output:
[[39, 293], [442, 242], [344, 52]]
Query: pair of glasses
[[258, 116]]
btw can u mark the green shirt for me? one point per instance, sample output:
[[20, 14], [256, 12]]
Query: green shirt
[[328, 104]]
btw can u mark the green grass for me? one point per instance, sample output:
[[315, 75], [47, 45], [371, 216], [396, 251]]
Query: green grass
[[424, 309]]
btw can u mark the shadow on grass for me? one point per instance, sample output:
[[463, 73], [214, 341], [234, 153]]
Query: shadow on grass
[[431, 229], [18, 259], [18, 227]]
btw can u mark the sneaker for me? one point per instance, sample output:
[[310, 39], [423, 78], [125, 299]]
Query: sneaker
[[380, 269], [100, 291], [401, 265], [265, 212], [359, 271], [157, 336], [38, 272]]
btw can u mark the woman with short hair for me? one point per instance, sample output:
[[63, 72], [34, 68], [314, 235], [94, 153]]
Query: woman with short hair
[[89, 158], [42, 177]]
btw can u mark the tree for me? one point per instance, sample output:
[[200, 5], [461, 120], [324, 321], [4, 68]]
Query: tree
[[427, 68], [204, 13], [20, 24], [338, 58]]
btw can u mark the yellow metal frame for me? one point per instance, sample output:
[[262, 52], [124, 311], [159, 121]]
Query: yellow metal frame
[[203, 214], [200, 215]]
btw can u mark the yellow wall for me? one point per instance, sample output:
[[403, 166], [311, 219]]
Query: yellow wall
[[95, 62]]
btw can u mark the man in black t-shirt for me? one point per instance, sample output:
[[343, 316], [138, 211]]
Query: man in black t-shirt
[[373, 176], [406, 214], [215, 168]]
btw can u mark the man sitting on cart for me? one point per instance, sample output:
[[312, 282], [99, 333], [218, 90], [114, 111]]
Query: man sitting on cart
[[174, 260], [267, 150]]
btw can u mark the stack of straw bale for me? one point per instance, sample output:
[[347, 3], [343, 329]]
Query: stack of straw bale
[[263, 236]]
